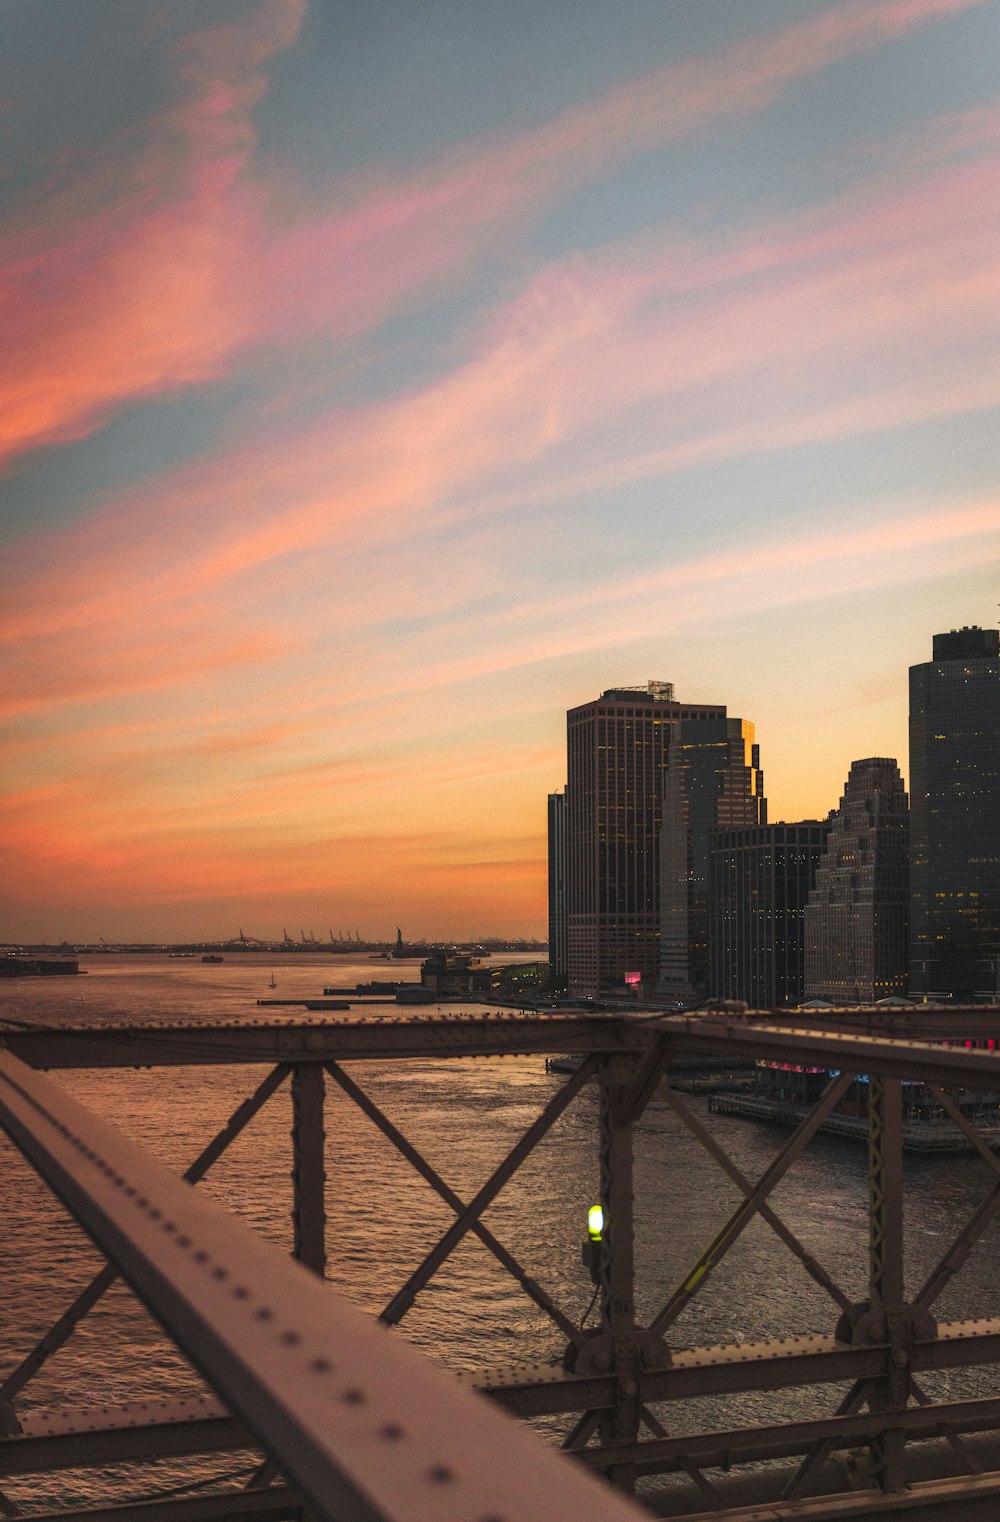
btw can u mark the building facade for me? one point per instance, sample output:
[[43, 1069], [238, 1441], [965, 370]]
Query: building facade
[[713, 780], [617, 748], [856, 917], [759, 879], [955, 817], [557, 892]]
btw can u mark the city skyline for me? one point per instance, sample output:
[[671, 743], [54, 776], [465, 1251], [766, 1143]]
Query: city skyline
[[382, 387]]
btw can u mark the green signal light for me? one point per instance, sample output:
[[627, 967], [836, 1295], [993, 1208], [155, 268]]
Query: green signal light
[[595, 1223]]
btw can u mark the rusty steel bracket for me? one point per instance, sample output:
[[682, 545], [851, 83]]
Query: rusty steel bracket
[[602, 1352]]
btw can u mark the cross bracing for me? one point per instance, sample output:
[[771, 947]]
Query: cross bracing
[[416, 1443]]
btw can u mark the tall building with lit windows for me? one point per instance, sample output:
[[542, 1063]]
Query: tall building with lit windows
[[955, 817], [713, 781], [760, 878], [616, 753], [856, 914]]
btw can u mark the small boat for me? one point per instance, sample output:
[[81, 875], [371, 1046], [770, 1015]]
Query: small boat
[[272, 983]]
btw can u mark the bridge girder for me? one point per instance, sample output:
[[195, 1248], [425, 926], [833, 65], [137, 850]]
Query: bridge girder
[[630, 1056]]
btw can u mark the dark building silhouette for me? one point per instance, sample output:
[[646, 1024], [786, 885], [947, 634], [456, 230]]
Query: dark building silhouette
[[557, 892], [856, 916], [713, 779], [617, 749], [759, 881], [955, 816]]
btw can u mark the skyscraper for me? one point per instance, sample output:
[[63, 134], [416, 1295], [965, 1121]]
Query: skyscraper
[[856, 916], [557, 891], [760, 878], [617, 749], [955, 816], [713, 779]]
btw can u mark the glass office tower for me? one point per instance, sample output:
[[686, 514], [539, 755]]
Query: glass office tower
[[955, 817], [713, 780], [759, 880], [617, 748]]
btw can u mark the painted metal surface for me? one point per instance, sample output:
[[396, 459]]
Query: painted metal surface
[[350, 1415], [361, 1422]]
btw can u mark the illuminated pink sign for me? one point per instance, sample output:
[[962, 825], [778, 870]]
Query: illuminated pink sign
[[633, 977]]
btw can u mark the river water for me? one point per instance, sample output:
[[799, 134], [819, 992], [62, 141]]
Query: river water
[[464, 1114]]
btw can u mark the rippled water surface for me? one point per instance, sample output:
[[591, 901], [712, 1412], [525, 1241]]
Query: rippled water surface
[[465, 1115]]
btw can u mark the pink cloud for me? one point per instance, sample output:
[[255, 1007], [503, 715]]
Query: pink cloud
[[347, 268], [847, 319], [126, 279], [183, 262], [807, 332]]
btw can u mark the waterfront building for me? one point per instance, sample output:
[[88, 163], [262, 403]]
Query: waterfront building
[[557, 892], [955, 817], [856, 915], [617, 747], [760, 878], [455, 972], [713, 780]]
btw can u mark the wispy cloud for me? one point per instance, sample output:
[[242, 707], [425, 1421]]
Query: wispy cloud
[[816, 568], [124, 277], [811, 329], [172, 251]]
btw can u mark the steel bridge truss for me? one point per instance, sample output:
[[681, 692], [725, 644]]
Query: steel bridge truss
[[350, 1422]]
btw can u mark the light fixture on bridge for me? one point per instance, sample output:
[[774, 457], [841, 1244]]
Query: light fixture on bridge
[[592, 1246]]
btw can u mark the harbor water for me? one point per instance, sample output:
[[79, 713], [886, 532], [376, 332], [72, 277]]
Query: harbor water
[[465, 1115]]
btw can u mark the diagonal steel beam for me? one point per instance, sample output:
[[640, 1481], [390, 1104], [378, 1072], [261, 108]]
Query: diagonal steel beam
[[362, 1423], [819, 1451], [61, 1331], [406, 1149], [744, 1213], [421, 1276], [885, 1283], [581, 1431], [946, 1430], [700, 1480], [702, 1134], [645, 1082], [977, 1223]]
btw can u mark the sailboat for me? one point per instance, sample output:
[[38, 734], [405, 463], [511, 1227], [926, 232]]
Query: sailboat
[[272, 983]]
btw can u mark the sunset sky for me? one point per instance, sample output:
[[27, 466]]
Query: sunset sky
[[383, 377]]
